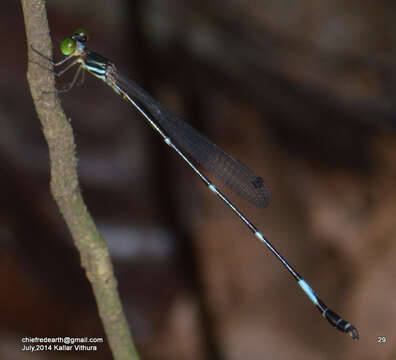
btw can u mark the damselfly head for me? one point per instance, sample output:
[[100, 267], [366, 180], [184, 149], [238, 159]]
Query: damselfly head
[[75, 44]]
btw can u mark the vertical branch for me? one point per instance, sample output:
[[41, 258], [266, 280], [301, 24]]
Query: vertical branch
[[58, 133]]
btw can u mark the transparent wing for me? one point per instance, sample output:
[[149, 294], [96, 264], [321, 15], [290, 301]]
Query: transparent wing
[[229, 170]]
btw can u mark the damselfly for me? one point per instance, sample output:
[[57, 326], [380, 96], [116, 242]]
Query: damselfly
[[191, 146]]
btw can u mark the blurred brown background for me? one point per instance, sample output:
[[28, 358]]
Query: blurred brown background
[[302, 92]]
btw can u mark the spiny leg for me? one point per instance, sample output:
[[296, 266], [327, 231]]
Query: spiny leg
[[53, 63], [60, 73], [82, 78], [70, 86]]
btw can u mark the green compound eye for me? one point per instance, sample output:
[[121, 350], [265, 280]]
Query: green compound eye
[[81, 35], [68, 46]]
